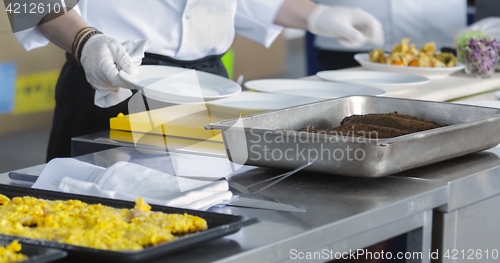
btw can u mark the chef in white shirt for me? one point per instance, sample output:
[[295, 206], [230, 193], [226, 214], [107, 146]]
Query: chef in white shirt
[[184, 33], [420, 20]]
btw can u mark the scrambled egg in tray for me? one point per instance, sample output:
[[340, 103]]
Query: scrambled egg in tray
[[10, 253], [406, 54], [93, 225]]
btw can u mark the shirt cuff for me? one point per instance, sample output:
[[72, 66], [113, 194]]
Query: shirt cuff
[[31, 38]]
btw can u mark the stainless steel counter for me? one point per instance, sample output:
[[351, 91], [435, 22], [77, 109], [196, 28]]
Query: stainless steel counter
[[345, 213], [471, 179], [469, 220], [342, 213]]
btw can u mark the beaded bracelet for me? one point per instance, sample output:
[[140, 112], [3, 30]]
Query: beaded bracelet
[[84, 38], [79, 42], [78, 36]]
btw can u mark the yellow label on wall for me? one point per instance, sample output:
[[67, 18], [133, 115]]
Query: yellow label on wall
[[35, 92]]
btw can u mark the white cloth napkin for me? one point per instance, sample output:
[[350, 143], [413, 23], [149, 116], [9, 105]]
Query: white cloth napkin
[[127, 181], [135, 49]]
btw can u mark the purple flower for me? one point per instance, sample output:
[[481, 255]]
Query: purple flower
[[481, 54]]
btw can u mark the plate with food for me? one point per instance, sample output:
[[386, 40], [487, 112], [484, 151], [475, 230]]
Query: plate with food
[[312, 88], [388, 81], [106, 230], [180, 85], [247, 103], [406, 58]]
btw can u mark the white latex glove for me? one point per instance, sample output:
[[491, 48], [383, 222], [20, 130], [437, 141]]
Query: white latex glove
[[352, 26], [102, 58], [136, 48]]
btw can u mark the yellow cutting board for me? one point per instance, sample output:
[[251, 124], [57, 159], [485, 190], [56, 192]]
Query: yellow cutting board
[[179, 120], [161, 142]]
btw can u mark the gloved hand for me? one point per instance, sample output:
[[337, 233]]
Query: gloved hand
[[136, 48], [99, 56], [352, 26], [102, 58]]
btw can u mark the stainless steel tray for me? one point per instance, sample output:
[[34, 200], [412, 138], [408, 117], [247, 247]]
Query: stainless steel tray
[[262, 140]]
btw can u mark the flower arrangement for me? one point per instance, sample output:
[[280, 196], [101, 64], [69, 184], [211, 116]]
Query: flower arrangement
[[478, 52]]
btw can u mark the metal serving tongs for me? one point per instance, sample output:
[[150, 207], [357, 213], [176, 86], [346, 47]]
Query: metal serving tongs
[[246, 198], [277, 179]]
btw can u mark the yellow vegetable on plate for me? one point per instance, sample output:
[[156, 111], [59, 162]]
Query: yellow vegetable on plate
[[406, 54]]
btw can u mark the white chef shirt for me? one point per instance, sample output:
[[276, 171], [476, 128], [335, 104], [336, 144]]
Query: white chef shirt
[[420, 20], [181, 29]]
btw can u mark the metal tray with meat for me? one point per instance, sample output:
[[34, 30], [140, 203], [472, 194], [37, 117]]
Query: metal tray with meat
[[273, 138]]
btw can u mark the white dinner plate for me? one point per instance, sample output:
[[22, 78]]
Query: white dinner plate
[[431, 73], [388, 81], [247, 103], [312, 88], [179, 85]]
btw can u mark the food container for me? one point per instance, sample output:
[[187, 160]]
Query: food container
[[36, 254], [218, 225], [270, 139]]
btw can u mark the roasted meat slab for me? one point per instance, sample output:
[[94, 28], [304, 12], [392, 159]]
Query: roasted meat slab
[[377, 125]]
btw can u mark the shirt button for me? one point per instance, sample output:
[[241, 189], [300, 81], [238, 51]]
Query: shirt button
[[188, 16]]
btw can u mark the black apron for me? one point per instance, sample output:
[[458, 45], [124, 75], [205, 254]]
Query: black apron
[[75, 113]]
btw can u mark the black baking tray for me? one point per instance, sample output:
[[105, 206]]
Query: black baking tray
[[37, 254], [219, 225]]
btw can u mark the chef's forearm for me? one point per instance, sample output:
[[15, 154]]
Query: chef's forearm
[[294, 13], [62, 30]]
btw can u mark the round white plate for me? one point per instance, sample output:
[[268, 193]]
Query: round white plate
[[388, 81], [482, 103], [431, 73], [247, 103], [312, 88], [179, 85]]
